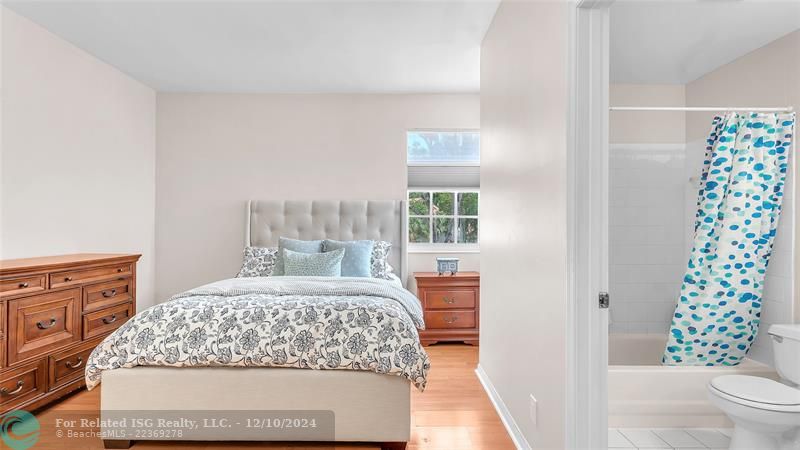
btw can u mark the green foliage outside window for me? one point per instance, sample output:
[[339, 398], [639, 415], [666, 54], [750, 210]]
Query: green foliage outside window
[[419, 203], [419, 230], [468, 203], [443, 217], [443, 203], [443, 230]]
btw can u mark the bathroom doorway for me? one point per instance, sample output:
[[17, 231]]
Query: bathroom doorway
[[667, 88]]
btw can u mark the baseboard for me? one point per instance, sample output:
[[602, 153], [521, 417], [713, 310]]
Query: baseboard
[[505, 416]]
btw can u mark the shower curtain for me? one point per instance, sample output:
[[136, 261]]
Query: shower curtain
[[738, 206]]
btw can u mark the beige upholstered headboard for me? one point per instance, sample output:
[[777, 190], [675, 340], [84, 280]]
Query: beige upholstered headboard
[[385, 220]]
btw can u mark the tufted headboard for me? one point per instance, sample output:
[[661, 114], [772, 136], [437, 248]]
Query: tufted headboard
[[385, 220]]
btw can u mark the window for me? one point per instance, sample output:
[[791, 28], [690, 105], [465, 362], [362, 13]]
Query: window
[[446, 148], [443, 217], [443, 184]]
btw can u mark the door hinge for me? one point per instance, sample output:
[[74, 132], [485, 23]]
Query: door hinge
[[603, 300]]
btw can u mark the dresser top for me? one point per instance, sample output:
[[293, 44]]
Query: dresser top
[[55, 262], [447, 276]]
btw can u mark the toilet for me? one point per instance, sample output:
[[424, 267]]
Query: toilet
[[765, 413]]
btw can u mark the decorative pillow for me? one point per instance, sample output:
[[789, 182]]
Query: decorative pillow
[[313, 264], [380, 267], [258, 262], [294, 245], [357, 260]]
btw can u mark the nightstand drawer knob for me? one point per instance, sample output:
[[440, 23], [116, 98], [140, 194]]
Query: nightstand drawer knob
[[451, 319], [449, 300]]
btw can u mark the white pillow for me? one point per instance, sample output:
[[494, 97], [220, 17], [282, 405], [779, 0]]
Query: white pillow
[[258, 262]]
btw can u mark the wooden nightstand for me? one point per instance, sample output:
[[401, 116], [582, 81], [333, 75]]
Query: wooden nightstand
[[451, 304]]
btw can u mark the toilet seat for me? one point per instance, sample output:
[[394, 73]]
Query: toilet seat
[[757, 392]]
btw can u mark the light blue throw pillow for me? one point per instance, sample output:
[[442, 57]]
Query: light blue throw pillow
[[357, 260], [294, 245], [313, 264]]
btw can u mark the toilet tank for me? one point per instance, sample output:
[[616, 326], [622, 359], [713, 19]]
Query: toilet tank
[[786, 349]]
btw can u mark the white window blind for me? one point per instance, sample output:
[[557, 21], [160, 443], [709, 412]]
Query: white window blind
[[443, 159]]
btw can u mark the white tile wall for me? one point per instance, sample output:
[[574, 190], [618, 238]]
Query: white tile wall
[[778, 295], [652, 205], [647, 235]]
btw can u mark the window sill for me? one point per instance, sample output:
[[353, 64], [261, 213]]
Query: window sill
[[442, 250]]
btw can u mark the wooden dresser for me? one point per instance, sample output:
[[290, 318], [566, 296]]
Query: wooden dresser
[[53, 313], [452, 306]]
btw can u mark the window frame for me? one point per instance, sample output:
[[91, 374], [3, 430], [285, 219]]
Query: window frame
[[441, 247], [442, 163]]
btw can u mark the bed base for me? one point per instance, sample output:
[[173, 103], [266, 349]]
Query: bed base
[[366, 407]]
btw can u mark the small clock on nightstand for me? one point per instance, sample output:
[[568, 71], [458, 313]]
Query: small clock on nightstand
[[451, 304]]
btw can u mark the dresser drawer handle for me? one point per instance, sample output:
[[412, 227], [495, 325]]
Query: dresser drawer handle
[[23, 285], [78, 363], [449, 300], [42, 326], [109, 294], [119, 270], [67, 279], [6, 392], [111, 320], [451, 319]]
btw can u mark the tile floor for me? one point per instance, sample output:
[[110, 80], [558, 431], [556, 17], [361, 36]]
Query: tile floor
[[669, 438]]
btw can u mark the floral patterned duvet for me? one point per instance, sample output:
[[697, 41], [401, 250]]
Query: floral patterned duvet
[[300, 322]]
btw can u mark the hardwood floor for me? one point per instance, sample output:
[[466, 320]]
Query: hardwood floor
[[453, 413]]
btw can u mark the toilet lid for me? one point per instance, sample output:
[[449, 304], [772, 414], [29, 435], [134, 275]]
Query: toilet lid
[[757, 389]]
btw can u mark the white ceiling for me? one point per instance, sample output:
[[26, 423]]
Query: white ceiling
[[270, 46], [383, 45], [679, 41]]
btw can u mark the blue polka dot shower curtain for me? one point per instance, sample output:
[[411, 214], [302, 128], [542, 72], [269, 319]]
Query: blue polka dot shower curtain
[[738, 207]]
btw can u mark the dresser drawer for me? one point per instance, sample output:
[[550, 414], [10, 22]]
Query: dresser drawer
[[69, 365], [101, 295], [449, 319], [22, 384], [22, 285], [106, 320], [42, 323], [72, 277], [450, 299]]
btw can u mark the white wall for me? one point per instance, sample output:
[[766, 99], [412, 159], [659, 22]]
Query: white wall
[[524, 97], [765, 77], [78, 153], [216, 151], [651, 127]]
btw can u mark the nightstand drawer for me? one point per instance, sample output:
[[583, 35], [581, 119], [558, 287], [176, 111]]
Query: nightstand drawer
[[449, 319], [450, 299]]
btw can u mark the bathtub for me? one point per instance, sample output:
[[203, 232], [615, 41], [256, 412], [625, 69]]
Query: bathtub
[[643, 393]]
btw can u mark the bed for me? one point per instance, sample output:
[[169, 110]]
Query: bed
[[201, 395]]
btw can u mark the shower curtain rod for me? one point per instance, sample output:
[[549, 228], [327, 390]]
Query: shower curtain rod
[[698, 108]]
